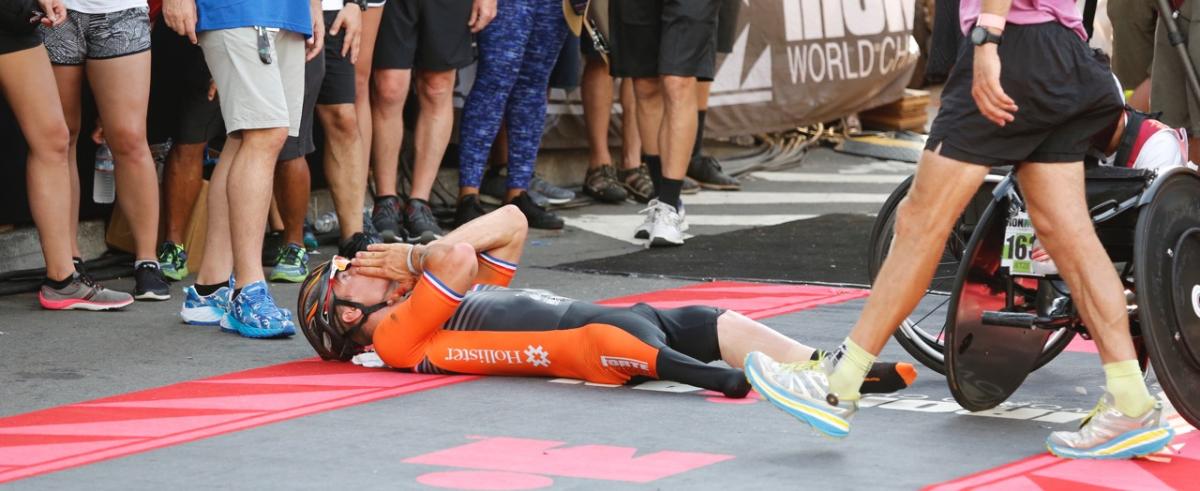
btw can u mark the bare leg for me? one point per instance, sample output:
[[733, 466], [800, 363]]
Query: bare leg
[[344, 165], [122, 89], [678, 132], [649, 112], [738, 335], [292, 187], [69, 80], [362, 80], [218, 253], [703, 89], [29, 87], [1058, 208], [247, 188], [940, 191], [631, 140], [434, 125], [182, 177], [388, 94], [597, 92]]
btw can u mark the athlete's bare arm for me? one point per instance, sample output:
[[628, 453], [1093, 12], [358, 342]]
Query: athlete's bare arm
[[500, 234]]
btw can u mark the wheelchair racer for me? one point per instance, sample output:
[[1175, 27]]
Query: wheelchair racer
[[447, 308]]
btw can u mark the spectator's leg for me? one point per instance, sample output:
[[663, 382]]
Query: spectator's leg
[[292, 185], [362, 79], [249, 193], [389, 92], [217, 266], [597, 92], [702, 91], [345, 168], [677, 134], [649, 123], [631, 139], [435, 90], [29, 87], [122, 90], [69, 80], [182, 178]]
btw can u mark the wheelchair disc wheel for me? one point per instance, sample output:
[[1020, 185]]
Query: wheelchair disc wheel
[[922, 334], [1167, 278]]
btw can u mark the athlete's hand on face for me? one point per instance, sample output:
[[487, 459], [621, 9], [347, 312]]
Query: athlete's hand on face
[[349, 20], [181, 17], [482, 14], [993, 103], [316, 43], [387, 261], [55, 12]]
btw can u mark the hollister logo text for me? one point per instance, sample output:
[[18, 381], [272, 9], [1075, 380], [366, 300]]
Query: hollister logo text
[[626, 365], [489, 356]]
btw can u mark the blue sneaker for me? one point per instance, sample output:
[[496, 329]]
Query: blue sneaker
[[253, 314], [200, 310]]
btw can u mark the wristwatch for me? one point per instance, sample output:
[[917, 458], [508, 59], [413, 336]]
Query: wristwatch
[[362, 4], [980, 36]]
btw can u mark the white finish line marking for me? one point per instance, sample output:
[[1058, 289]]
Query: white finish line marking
[[621, 227], [747, 198], [831, 178]]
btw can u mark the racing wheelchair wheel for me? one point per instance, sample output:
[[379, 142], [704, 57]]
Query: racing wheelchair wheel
[[1167, 276], [922, 334]]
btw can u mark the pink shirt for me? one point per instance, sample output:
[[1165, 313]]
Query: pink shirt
[[1028, 12]]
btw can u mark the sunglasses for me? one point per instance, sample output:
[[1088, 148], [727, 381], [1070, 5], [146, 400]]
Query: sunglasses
[[337, 265]]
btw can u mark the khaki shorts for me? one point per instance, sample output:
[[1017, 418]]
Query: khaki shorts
[[1168, 81], [253, 94], [1133, 40]]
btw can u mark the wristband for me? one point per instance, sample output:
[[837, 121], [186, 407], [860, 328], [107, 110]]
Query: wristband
[[992, 21], [411, 269]]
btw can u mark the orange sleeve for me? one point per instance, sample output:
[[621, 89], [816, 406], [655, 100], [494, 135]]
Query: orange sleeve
[[401, 338], [494, 271]]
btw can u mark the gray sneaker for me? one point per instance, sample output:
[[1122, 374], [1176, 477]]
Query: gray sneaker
[[82, 294], [549, 193], [802, 390], [643, 231], [668, 226], [1109, 434]]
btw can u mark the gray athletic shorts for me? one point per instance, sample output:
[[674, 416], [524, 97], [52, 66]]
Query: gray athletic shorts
[[253, 94], [98, 36]]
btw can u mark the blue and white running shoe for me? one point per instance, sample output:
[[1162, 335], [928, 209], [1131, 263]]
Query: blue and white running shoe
[[201, 310], [253, 314], [801, 390], [1109, 434]]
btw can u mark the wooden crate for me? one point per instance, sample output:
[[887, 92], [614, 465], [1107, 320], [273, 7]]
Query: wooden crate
[[908, 113]]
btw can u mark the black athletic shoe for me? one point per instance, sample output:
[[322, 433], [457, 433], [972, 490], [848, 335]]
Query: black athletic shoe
[[707, 171], [357, 242], [151, 285], [537, 216], [386, 218], [468, 209], [419, 224], [601, 183]]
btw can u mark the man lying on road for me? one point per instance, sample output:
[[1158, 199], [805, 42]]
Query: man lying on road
[[447, 308]]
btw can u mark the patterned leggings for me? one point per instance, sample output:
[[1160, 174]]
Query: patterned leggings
[[517, 51]]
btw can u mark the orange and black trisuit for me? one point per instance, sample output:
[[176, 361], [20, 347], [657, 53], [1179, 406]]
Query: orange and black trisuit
[[496, 330]]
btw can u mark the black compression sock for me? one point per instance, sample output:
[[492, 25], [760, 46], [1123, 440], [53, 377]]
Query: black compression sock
[[669, 192], [699, 145], [654, 164], [206, 290], [58, 285]]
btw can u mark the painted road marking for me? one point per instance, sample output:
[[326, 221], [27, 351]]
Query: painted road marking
[[770, 198], [831, 178], [754, 300], [553, 458], [621, 227]]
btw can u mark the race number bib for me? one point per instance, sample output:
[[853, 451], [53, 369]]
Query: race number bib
[[1020, 244]]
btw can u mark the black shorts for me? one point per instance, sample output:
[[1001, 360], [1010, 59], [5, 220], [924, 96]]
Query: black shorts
[[425, 34], [302, 144], [1064, 91], [337, 87], [11, 43], [569, 67], [663, 37], [727, 24], [179, 105]]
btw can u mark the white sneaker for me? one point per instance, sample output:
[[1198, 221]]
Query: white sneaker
[[643, 231], [667, 227]]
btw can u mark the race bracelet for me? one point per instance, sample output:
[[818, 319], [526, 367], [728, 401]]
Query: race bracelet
[[411, 269]]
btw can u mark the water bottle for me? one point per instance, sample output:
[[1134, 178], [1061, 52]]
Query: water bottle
[[326, 223], [104, 186]]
